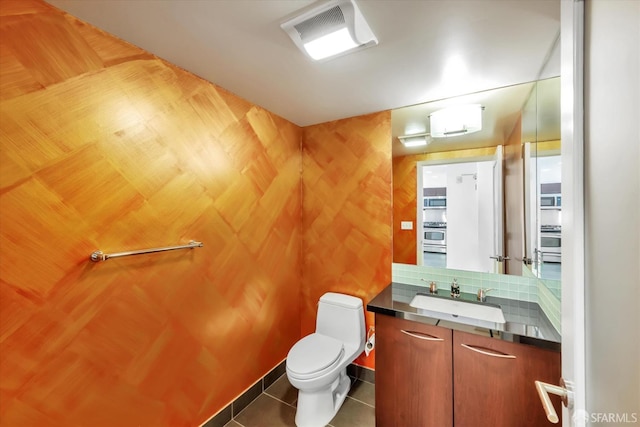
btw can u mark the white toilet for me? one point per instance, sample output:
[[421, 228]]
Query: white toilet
[[317, 364]]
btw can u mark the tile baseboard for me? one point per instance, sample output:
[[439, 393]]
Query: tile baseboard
[[361, 373], [234, 408]]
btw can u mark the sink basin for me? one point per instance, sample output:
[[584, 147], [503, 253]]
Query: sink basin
[[480, 314]]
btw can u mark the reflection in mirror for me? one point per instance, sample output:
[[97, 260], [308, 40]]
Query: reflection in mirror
[[520, 127], [544, 238], [461, 213], [543, 186], [501, 127]]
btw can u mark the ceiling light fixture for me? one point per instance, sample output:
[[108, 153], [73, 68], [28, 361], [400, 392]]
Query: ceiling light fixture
[[331, 28], [455, 121], [416, 140]]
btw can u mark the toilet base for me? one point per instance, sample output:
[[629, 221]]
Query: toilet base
[[316, 408]]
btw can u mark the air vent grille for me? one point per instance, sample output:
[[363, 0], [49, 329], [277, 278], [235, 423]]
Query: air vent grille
[[321, 24]]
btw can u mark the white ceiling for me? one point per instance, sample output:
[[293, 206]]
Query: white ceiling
[[428, 49]]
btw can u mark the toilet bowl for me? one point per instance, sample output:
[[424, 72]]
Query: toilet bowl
[[317, 364]]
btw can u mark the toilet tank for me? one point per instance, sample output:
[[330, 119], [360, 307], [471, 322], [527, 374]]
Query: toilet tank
[[342, 317]]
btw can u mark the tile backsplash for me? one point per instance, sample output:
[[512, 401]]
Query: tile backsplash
[[503, 285], [550, 304], [523, 288]]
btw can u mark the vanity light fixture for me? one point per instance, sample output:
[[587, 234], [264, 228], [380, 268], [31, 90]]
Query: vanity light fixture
[[416, 140], [455, 121], [328, 29]]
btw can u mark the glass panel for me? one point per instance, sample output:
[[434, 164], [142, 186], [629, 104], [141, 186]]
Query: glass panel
[[434, 235], [550, 242]]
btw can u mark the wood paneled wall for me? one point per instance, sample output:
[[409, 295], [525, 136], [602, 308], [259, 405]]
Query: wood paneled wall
[[346, 180], [105, 146], [405, 198], [404, 209]]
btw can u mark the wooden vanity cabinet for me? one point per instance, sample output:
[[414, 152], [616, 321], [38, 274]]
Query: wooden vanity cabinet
[[433, 376], [493, 382], [414, 383]]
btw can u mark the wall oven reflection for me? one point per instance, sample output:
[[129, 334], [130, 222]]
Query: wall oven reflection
[[435, 237], [550, 244]]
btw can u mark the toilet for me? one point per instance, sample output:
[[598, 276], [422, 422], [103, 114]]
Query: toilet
[[317, 364]]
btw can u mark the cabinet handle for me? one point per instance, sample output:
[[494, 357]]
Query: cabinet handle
[[421, 336], [486, 353]]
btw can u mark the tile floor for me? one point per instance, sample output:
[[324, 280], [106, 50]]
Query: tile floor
[[276, 407]]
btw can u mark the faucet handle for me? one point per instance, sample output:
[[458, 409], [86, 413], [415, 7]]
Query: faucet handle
[[482, 294], [433, 287]]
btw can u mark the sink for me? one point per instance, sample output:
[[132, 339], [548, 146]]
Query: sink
[[471, 313]]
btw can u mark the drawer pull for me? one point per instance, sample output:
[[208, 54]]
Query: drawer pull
[[492, 353], [421, 336]]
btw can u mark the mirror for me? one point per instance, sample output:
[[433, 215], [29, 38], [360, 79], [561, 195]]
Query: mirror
[[507, 170], [543, 186]]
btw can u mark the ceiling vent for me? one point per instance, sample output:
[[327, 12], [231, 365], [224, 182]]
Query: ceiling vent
[[330, 28]]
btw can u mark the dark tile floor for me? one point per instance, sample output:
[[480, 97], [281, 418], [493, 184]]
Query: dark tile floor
[[276, 407]]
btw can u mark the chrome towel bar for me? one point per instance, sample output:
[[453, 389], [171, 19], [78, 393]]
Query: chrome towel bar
[[101, 256]]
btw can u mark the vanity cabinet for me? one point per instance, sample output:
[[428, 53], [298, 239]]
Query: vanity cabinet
[[493, 382], [434, 376], [414, 380]]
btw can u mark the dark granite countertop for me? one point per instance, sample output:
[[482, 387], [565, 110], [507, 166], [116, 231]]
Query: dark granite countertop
[[526, 322]]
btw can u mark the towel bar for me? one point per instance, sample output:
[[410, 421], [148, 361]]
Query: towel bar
[[101, 256]]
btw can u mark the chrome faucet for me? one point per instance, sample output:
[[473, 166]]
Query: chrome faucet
[[433, 288], [482, 294]]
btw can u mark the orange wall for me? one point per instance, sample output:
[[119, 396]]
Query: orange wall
[[106, 147], [346, 184], [404, 209]]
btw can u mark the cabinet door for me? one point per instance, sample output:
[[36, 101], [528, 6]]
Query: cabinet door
[[413, 374], [493, 382]]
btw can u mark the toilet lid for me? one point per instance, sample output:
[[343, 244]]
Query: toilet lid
[[313, 354]]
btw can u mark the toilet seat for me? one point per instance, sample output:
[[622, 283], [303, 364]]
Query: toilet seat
[[314, 355]]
